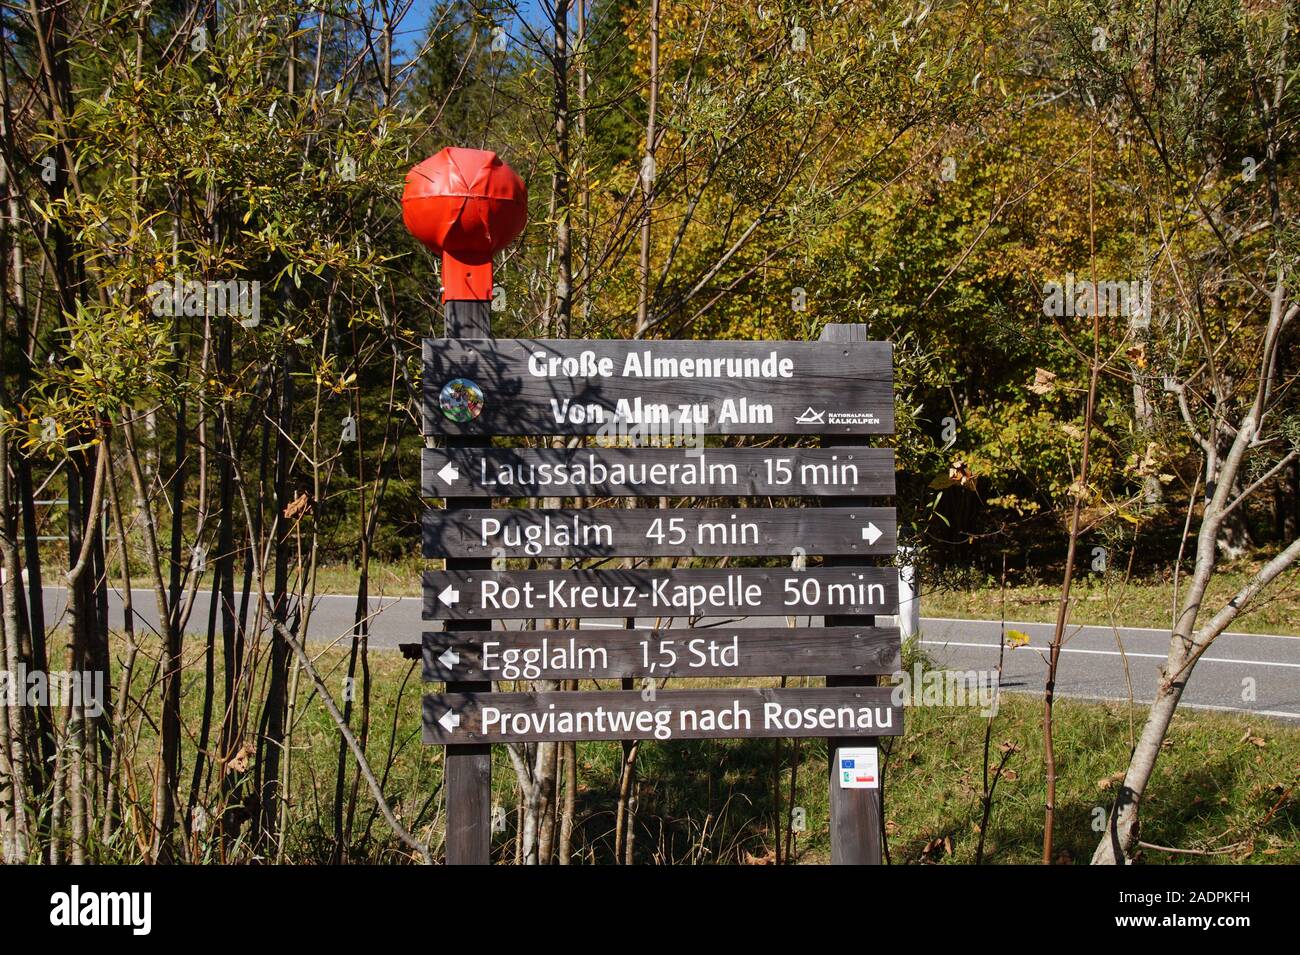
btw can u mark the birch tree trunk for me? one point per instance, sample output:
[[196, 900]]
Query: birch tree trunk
[[1185, 648], [1187, 644]]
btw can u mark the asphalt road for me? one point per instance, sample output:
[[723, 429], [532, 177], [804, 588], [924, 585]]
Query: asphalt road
[[1097, 663]]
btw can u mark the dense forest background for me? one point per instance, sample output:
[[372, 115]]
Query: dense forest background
[[1076, 222]]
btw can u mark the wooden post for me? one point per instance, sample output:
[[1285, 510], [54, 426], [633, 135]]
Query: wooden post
[[855, 813], [467, 770]]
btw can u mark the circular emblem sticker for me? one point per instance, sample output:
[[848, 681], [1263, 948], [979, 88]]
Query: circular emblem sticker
[[461, 399]]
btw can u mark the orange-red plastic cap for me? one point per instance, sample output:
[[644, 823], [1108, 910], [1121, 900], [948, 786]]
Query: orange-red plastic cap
[[467, 205]]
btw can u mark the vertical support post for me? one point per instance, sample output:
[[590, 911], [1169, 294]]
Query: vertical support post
[[467, 769], [855, 813]]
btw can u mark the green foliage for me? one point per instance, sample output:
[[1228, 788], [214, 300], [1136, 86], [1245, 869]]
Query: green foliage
[[926, 170]]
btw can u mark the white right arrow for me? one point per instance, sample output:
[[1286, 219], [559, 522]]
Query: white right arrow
[[450, 595], [449, 658], [449, 721], [449, 473], [871, 533]]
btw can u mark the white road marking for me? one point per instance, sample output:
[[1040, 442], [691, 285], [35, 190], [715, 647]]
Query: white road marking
[[1116, 653], [1102, 626]]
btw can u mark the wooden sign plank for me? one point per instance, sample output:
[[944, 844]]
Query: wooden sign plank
[[658, 472], [678, 714], [477, 595], [676, 652], [656, 389], [659, 532]]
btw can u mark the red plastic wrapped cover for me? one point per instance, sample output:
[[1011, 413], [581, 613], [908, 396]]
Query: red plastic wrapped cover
[[467, 205]]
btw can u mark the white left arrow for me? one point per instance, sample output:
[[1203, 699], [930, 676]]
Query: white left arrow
[[871, 533], [449, 473], [449, 595], [449, 658], [449, 721]]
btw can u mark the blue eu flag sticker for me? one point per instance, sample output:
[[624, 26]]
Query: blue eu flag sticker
[[846, 764]]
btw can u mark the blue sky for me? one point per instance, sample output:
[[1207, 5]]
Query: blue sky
[[414, 24]]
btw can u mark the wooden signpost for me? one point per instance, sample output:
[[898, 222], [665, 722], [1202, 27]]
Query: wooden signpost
[[546, 594], [856, 808], [686, 714], [660, 653], [659, 472], [536, 386], [676, 532], [638, 414], [663, 392]]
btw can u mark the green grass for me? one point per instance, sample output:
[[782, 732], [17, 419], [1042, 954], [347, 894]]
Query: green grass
[[1217, 780], [397, 579], [1108, 600], [1223, 783], [1223, 787]]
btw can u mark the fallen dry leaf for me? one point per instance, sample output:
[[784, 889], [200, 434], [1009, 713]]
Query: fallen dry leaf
[[298, 506], [239, 762], [1111, 780], [1044, 382], [961, 474], [1017, 638]]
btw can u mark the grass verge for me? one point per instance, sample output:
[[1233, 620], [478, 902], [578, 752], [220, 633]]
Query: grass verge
[[1224, 790]]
